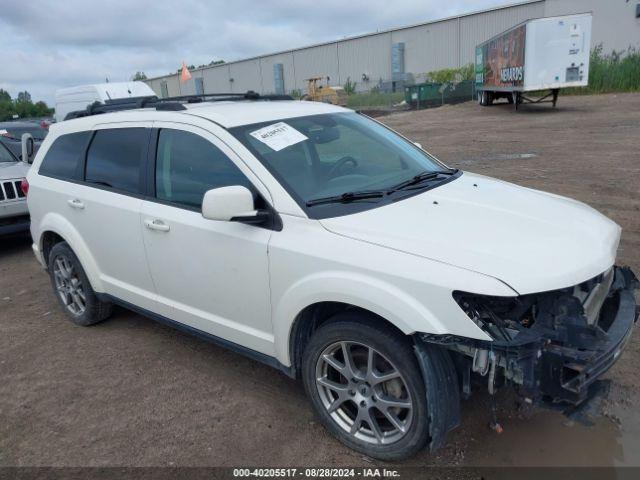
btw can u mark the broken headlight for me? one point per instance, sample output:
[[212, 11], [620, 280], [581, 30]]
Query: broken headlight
[[500, 317]]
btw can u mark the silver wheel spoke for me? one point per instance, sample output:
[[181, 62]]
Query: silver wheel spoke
[[336, 403], [375, 428], [348, 362], [395, 421], [387, 402], [385, 377], [330, 359], [335, 386], [357, 423]]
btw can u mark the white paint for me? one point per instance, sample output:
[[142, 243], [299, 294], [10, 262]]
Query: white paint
[[247, 284], [552, 46]]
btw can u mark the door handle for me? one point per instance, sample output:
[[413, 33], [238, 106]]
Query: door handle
[[75, 203], [157, 225]]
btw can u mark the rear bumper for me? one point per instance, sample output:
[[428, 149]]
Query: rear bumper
[[565, 374], [17, 224]]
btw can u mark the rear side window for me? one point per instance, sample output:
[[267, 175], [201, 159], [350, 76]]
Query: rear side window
[[187, 165], [114, 158], [62, 158]]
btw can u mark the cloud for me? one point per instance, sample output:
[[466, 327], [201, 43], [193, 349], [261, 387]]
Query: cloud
[[46, 45]]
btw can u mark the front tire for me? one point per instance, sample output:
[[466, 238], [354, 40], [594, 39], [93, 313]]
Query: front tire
[[72, 288], [365, 384]]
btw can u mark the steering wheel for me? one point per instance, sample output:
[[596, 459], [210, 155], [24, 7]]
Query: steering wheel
[[339, 164]]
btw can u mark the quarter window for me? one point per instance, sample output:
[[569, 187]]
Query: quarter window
[[115, 156], [187, 165], [62, 158]]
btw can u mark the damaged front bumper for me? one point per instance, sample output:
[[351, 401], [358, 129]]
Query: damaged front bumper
[[566, 373], [554, 345]]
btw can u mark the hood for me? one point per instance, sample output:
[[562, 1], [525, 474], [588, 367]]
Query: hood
[[531, 240], [13, 170]]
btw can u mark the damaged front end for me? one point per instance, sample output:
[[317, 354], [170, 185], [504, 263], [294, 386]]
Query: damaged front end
[[554, 345]]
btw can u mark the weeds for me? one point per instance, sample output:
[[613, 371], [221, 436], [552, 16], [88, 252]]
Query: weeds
[[613, 72], [350, 87], [374, 98]]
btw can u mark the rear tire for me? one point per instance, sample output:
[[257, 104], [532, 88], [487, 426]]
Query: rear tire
[[374, 403], [72, 288]]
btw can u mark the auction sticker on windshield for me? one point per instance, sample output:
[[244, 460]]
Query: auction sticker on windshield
[[279, 136]]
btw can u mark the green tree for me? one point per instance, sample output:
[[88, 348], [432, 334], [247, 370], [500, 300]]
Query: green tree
[[24, 97], [139, 76], [22, 106]]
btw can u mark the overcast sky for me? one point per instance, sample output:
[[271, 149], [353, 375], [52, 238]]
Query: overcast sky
[[45, 45]]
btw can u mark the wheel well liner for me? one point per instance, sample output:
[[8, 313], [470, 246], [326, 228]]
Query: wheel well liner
[[311, 318], [48, 240]]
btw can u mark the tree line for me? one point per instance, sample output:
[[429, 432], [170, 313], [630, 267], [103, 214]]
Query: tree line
[[21, 107]]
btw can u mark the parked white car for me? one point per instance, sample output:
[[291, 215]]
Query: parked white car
[[14, 214], [320, 242]]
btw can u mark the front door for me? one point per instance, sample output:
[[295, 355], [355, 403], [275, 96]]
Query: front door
[[210, 275]]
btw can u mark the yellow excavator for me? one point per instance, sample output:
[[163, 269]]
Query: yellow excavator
[[317, 92]]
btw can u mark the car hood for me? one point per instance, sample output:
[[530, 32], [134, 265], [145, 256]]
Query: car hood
[[531, 240], [12, 170]]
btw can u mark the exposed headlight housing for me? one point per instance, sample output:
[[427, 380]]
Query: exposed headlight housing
[[502, 318]]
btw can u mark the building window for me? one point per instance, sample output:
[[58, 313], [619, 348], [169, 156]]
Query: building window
[[164, 89]]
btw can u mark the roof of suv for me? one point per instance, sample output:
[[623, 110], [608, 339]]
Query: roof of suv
[[227, 113]]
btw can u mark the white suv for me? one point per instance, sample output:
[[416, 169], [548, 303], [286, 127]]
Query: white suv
[[322, 243]]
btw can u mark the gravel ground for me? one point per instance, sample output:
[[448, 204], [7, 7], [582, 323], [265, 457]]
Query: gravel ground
[[131, 392]]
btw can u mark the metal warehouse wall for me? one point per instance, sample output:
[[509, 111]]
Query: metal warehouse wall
[[431, 46], [614, 21]]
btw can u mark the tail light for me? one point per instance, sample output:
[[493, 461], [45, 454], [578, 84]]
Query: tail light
[[24, 186]]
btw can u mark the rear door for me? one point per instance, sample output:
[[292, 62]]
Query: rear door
[[105, 208], [210, 275]]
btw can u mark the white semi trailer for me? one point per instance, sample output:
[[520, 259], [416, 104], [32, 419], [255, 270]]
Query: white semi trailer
[[543, 54]]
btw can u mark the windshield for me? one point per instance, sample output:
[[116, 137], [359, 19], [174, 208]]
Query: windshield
[[348, 155]]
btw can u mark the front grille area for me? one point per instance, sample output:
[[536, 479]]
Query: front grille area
[[10, 190]]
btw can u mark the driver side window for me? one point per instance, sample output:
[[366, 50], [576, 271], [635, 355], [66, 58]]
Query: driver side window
[[188, 165]]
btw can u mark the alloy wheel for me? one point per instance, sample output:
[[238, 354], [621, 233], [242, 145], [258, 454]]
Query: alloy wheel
[[69, 285], [364, 393]]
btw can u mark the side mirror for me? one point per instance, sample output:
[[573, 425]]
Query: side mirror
[[419, 145], [28, 148], [228, 203]]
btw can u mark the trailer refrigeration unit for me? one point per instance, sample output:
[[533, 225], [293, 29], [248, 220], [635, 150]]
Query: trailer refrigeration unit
[[544, 54]]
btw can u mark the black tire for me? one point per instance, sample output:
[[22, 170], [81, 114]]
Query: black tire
[[390, 346], [94, 310]]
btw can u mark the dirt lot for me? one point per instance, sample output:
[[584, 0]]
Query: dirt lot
[[133, 392]]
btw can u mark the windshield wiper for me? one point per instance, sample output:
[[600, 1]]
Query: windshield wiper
[[422, 177], [346, 197]]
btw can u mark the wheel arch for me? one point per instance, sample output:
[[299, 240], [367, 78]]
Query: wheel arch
[[55, 228], [310, 302]]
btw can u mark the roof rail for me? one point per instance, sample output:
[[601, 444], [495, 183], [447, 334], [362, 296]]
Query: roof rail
[[167, 104]]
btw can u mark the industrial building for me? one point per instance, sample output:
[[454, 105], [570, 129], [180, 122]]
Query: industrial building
[[392, 57]]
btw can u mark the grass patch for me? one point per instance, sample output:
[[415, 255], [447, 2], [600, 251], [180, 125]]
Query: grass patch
[[613, 72], [374, 99]]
